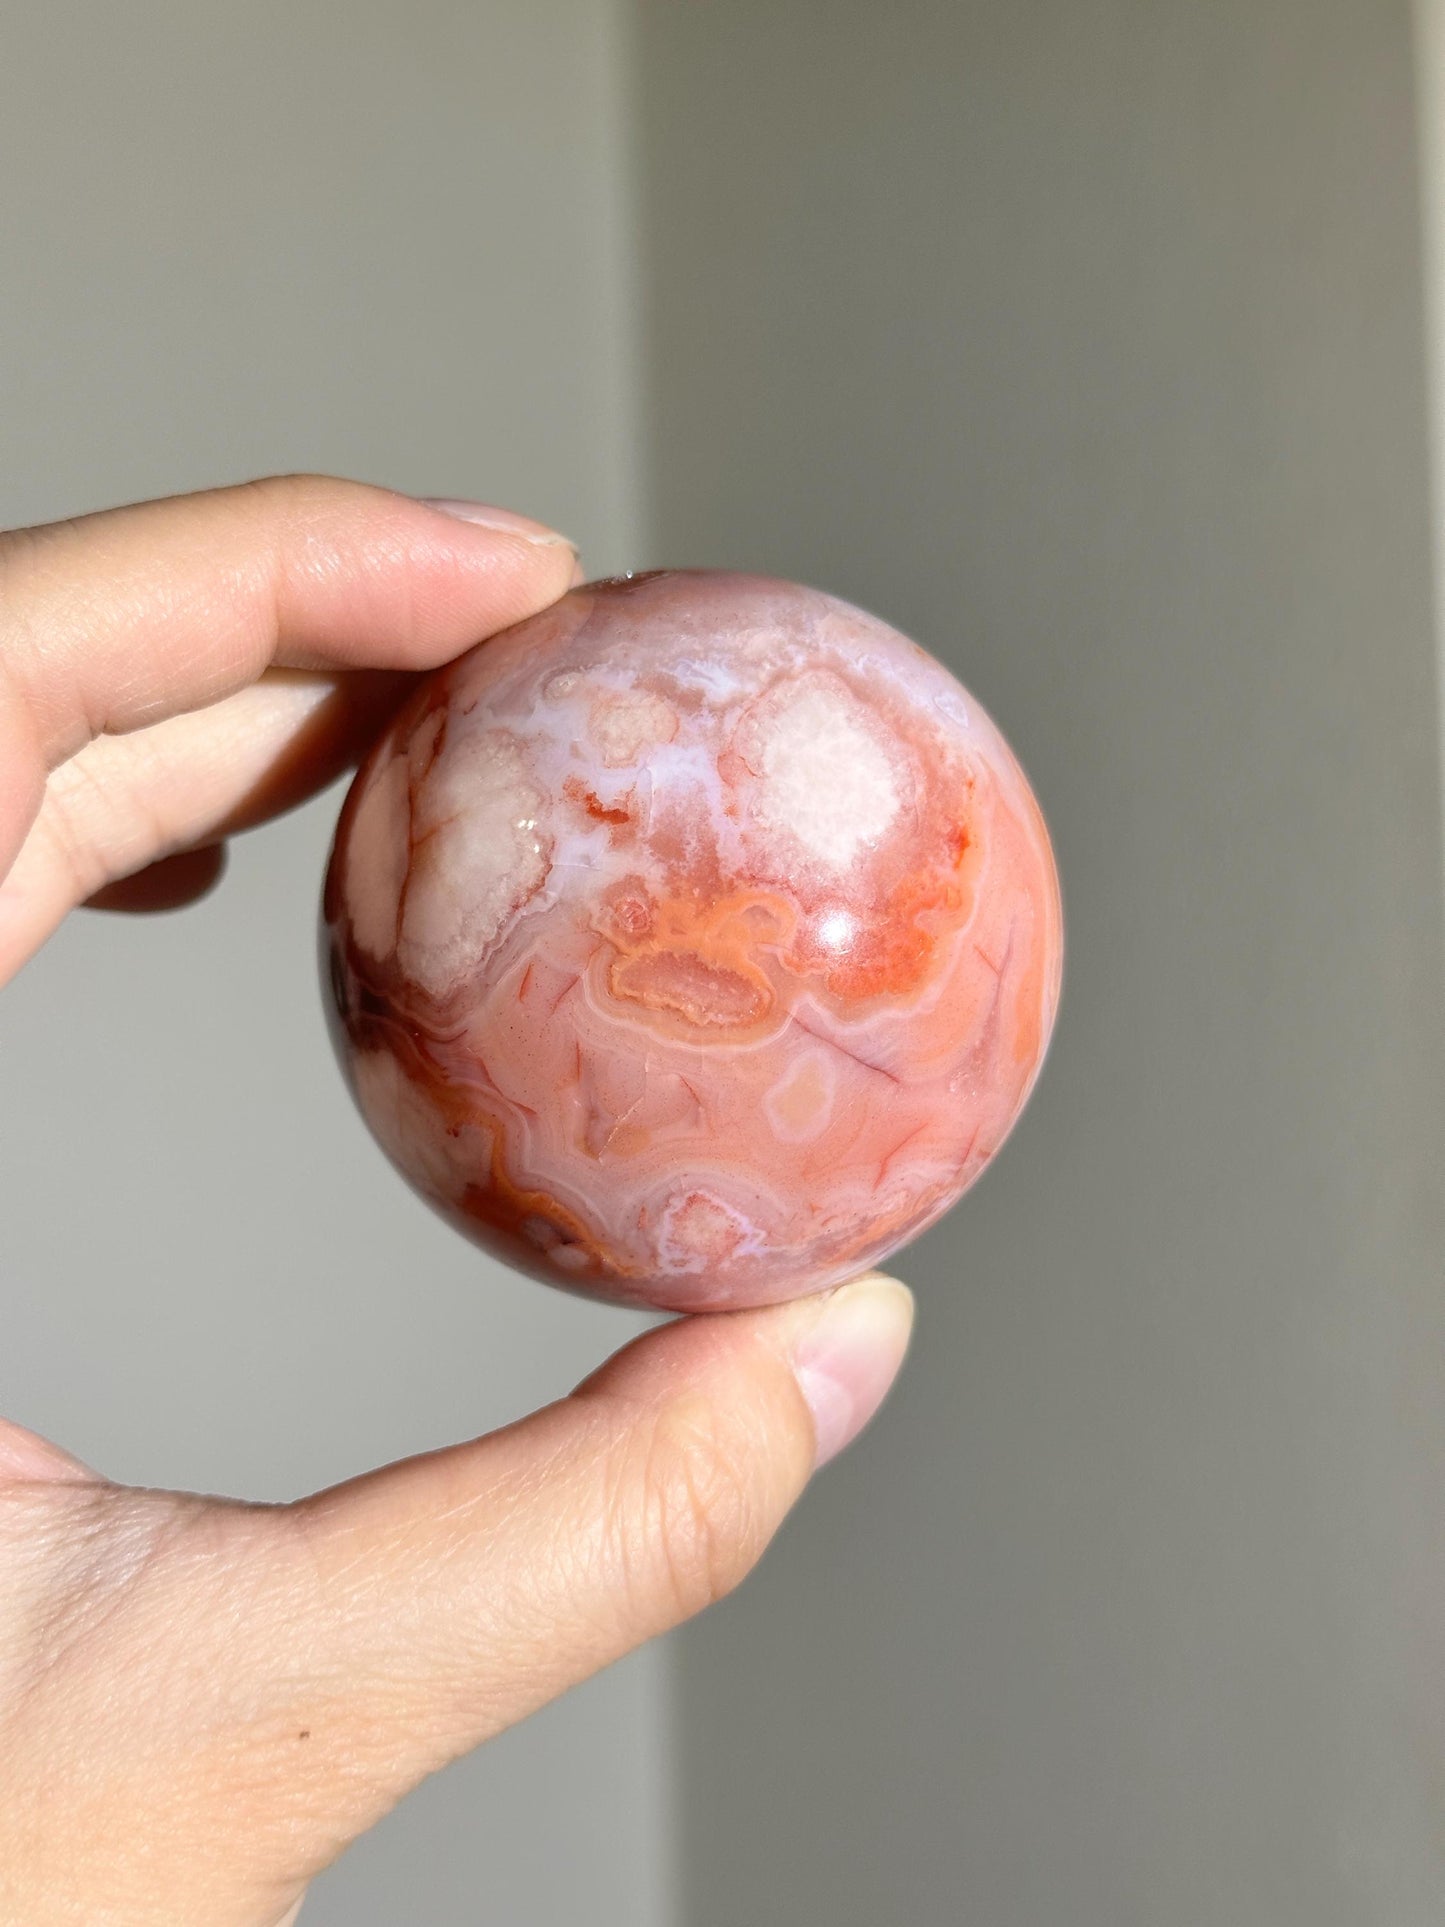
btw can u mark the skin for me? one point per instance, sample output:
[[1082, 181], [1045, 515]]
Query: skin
[[202, 1702]]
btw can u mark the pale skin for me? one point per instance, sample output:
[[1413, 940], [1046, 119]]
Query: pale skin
[[202, 1701]]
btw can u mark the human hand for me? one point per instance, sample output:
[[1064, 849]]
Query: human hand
[[203, 1701]]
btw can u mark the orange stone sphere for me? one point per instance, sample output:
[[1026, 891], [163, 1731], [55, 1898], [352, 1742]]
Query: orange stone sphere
[[695, 942]]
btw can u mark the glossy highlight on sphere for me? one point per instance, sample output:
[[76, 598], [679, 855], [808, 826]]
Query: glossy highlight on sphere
[[694, 942]]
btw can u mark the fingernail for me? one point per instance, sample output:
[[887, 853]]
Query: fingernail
[[510, 523], [847, 1359]]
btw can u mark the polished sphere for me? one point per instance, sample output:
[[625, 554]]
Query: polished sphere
[[695, 942]]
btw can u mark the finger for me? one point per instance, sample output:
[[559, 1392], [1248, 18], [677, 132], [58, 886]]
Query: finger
[[256, 1685], [446, 1597], [27, 1458], [124, 803], [171, 884], [117, 620]]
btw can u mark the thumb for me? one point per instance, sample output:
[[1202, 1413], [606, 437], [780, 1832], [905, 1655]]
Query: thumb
[[450, 1595]]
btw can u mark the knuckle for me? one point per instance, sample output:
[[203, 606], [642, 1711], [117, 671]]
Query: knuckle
[[278, 509], [699, 1504], [66, 825], [286, 490], [298, 497], [94, 823]]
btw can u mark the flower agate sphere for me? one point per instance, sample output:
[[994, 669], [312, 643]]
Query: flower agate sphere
[[695, 942]]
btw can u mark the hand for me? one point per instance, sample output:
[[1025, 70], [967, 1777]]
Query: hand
[[201, 1701]]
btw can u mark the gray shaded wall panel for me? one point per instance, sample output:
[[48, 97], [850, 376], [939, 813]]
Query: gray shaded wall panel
[[1084, 340]]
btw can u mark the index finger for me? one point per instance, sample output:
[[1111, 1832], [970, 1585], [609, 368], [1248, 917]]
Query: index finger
[[120, 619]]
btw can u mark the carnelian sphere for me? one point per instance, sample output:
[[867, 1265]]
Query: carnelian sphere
[[695, 942]]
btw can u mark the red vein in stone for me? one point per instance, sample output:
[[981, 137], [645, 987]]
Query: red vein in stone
[[843, 1051]]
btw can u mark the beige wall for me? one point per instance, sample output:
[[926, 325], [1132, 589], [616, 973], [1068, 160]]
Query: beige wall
[[1084, 339], [1430, 118]]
